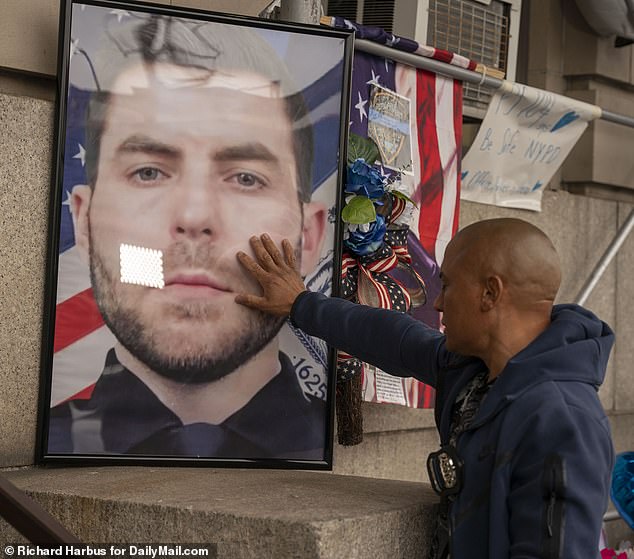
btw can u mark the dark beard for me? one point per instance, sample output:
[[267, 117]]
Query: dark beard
[[127, 327]]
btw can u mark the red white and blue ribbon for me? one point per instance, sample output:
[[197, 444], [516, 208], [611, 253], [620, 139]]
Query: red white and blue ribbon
[[383, 279]]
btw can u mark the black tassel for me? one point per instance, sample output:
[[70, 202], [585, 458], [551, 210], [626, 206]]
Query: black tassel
[[349, 412]]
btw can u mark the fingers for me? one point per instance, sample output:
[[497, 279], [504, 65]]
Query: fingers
[[277, 274], [252, 301], [272, 250], [289, 254], [261, 254], [266, 252], [251, 265], [268, 258]]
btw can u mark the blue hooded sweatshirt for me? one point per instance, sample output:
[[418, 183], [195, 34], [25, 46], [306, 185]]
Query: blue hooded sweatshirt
[[538, 454]]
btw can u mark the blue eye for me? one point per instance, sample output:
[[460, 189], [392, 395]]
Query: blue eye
[[147, 174], [247, 180]]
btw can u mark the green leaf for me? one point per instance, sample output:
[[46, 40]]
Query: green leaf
[[359, 210], [362, 148], [403, 196]]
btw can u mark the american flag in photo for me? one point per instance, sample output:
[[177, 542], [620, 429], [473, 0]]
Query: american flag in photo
[[79, 328], [436, 125]]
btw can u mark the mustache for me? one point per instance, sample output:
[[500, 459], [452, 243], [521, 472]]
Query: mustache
[[187, 254], [190, 254]]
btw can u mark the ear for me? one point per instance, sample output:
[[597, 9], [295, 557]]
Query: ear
[[313, 234], [79, 207], [491, 293]]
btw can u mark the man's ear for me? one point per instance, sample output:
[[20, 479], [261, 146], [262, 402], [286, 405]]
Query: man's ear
[[491, 293], [79, 206], [313, 234]]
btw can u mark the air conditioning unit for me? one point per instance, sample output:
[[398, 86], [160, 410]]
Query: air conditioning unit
[[486, 31]]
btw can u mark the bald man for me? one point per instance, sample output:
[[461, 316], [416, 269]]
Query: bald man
[[526, 453]]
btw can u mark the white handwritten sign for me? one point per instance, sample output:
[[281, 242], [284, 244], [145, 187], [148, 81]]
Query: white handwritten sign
[[389, 389], [524, 138]]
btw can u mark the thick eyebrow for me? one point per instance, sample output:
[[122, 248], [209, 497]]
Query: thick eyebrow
[[145, 144], [246, 152]]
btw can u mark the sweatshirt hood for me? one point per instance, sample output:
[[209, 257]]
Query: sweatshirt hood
[[575, 347]]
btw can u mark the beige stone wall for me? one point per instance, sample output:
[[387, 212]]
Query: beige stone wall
[[597, 72], [26, 137]]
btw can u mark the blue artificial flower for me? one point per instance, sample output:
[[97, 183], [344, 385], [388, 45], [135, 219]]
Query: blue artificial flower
[[366, 238], [365, 180]]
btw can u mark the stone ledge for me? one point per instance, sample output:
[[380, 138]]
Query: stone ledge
[[381, 418], [247, 513]]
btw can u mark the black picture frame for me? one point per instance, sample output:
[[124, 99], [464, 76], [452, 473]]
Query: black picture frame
[[140, 101]]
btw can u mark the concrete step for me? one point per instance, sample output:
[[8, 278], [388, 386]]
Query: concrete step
[[244, 513]]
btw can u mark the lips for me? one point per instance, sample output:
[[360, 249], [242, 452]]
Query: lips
[[194, 281]]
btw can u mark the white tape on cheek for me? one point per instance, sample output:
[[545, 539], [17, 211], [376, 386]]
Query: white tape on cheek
[[141, 266]]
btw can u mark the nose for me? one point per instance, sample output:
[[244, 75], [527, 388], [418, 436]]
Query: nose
[[195, 212], [438, 302]]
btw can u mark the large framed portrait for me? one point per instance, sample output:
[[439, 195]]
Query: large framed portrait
[[180, 135]]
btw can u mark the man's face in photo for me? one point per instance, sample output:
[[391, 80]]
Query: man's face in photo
[[192, 164]]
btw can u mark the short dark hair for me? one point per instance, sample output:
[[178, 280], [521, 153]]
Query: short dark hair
[[203, 45]]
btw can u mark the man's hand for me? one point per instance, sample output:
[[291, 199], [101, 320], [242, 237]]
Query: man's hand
[[277, 275]]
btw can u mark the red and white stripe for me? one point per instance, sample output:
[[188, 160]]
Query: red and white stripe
[[436, 108], [383, 265], [80, 332], [446, 56]]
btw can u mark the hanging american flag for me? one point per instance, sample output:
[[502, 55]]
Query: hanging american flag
[[435, 137]]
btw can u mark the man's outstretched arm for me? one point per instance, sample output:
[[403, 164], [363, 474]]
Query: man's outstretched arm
[[393, 341]]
